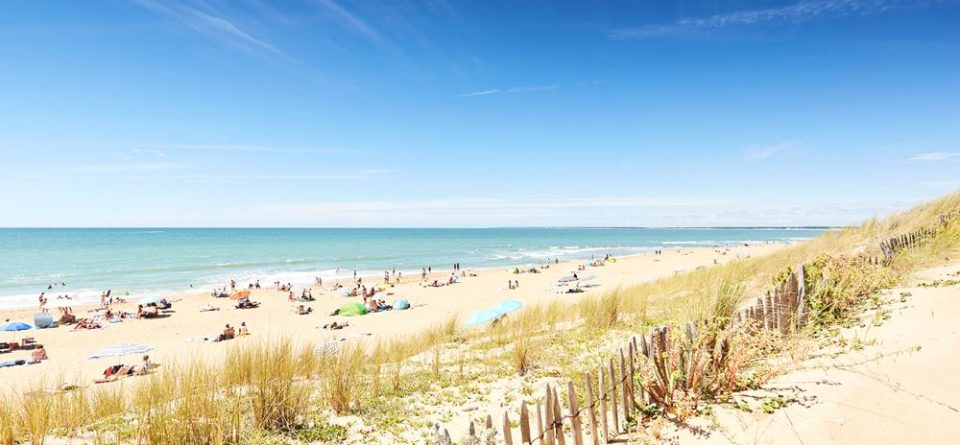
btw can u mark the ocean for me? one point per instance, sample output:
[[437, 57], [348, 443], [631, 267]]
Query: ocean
[[140, 262]]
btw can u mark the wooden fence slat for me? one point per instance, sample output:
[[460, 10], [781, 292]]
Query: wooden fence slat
[[625, 387], [507, 434], [489, 424], [472, 432], [548, 418], [602, 392], [540, 431], [558, 419], [613, 398], [591, 409], [574, 414], [632, 367], [524, 424]]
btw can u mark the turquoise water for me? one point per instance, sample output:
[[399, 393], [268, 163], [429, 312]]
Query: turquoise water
[[163, 261]]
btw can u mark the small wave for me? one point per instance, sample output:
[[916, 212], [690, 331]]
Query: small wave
[[239, 264]]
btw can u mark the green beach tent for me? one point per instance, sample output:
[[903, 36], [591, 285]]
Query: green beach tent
[[351, 309]]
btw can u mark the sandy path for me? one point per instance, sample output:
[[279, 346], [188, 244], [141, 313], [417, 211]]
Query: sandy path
[[68, 349], [902, 389]]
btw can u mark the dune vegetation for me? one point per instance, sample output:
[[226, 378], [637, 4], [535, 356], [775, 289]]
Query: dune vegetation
[[281, 391]]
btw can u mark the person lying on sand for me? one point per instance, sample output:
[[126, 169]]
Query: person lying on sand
[[113, 373], [83, 323], [302, 310], [336, 326], [245, 303], [141, 368]]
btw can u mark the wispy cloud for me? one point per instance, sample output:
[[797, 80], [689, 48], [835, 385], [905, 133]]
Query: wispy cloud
[[116, 172], [797, 13], [208, 22], [128, 167], [759, 153], [532, 89], [242, 148], [512, 90], [934, 156], [481, 93], [350, 20]]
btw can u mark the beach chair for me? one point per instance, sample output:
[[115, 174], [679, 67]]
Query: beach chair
[[29, 343]]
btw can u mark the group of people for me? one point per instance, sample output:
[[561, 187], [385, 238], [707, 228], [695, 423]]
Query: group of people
[[306, 295], [514, 284], [229, 332]]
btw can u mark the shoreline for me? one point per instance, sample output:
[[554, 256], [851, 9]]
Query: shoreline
[[90, 297], [178, 337]]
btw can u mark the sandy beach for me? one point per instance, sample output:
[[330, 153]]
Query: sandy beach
[[178, 337]]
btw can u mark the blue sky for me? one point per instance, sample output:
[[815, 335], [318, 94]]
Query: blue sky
[[475, 113]]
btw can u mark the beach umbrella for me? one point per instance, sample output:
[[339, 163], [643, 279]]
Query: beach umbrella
[[401, 304], [240, 294], [121, 350], [15, 326], [345, 291], [507, 306], [586, 278], [482, 317], [150, 300], [352, 309]]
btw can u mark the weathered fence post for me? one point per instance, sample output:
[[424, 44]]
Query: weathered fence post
[[591, 412], [540, 431], [507, 434], [603, 406], [613, 397], [558, 419], [574, 414], [625, 389], [524, 424], [548, 418]]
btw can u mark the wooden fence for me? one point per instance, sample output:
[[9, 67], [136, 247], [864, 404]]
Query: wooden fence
[[913, 239], [610, 392]]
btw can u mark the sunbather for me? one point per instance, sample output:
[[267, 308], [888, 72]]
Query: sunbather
[[141, 368], [86, 324], [243, 329], [336, 326]]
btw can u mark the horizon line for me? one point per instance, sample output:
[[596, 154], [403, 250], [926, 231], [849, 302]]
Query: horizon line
[[775, 226]]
